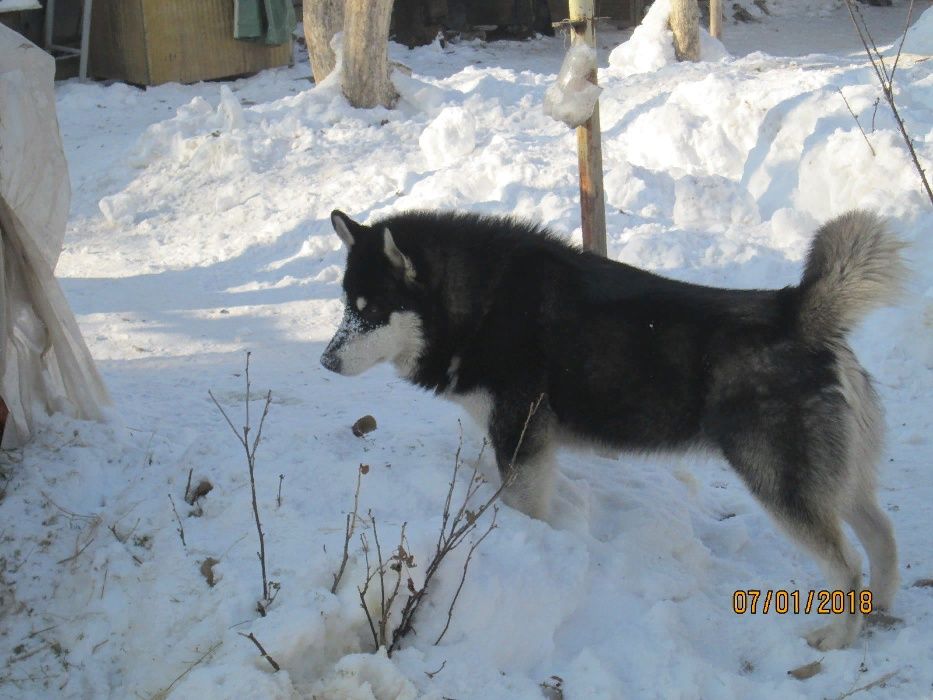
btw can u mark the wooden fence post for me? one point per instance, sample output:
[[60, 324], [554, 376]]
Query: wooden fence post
[[589, 143]]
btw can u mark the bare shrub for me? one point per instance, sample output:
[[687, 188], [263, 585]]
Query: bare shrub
[[886, 80], [458, 523]]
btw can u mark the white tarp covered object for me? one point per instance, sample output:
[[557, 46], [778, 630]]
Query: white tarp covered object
[[45, 365]]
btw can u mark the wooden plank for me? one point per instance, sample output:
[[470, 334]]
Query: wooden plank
[[117, 48], [191, 41]]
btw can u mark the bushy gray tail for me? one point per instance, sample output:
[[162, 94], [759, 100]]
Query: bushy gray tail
[[854, 266]]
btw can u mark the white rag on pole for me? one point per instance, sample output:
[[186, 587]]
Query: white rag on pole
[[45, 365], [572, 97]]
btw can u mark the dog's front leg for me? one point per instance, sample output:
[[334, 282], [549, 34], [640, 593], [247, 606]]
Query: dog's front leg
[[520, 430]]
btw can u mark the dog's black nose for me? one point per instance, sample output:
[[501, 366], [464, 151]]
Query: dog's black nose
[[331, 362]]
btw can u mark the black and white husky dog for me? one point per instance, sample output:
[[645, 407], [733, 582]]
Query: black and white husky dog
[[495, 312]]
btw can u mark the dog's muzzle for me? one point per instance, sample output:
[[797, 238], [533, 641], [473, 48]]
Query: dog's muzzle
[[331, 355], [331, 362]]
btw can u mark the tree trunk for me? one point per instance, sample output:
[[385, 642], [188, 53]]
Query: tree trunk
[[365, 80], [322, 19], [685, 24]]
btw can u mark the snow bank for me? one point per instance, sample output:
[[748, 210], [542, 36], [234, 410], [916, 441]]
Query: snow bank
[[651, 45], [365, 677], [572, 97], [448, 138], [919, 37]]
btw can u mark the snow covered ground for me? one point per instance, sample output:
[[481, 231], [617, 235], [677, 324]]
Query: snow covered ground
[[199, 229]]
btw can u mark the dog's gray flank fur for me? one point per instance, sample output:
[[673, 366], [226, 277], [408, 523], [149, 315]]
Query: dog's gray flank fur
[[495, 312]]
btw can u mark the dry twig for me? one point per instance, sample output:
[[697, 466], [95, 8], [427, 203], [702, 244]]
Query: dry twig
[[400, 559], [188, 486], [431, 674], [77, 554], [351, 524], [466, 564], [857, 123], [365, 588], [162, 694], [269, 589], [251, 637], [874, 684], [181, 528]]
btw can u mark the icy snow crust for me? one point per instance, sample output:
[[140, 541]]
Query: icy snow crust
[[199, 228]]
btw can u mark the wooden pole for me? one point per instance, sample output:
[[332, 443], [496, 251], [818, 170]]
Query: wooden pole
[[715, 18], [589, 143]]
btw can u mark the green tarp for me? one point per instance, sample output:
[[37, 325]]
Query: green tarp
[[268, 21]]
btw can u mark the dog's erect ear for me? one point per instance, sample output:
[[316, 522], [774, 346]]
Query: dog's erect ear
[[344, 226], [399, 260]]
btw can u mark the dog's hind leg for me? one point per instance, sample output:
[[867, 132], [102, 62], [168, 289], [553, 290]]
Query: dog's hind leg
[[530, 489], [871, 525], [873, 528], [822, 535], [791, 462], [524, 453], [808, 511]]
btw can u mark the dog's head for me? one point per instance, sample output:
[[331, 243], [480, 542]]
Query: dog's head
[[381, 321]]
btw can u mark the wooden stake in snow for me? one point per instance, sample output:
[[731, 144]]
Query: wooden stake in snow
[[715, 18], [589, 143]]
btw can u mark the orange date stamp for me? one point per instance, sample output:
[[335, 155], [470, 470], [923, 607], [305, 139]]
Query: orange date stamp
[[754, 601]]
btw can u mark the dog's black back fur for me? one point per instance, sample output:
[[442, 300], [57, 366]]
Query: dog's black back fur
[[624, 356]]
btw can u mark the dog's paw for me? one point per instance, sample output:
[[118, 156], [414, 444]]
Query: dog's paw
[[836, 635], [570, 506], [883, 620], [533, 504]]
